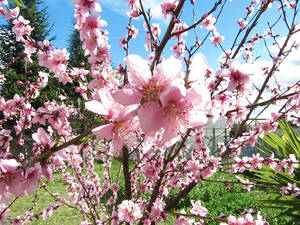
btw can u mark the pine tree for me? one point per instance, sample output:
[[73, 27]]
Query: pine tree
[[77, 57], [12, 55]]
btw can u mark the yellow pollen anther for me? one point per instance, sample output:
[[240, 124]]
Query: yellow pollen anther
[[156, 83]]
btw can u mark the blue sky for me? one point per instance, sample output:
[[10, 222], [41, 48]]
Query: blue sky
[[114, 12]]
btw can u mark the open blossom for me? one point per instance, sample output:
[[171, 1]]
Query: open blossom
[[3, 214], [21, 28], [12, 13], [43, 79], [237, 78], [184, 220], [180, 111], [163, 98], [167, 7], [143, 87], [198, 209], [208, 23], [42, 138], [293, 163], [129, 212], [246, 219], [216, 39], [121, 130], [14, 180], [7, 168], [247, 185]]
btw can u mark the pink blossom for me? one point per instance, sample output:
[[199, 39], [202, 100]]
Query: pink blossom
[[246, 183], [294, 163], [85, 5], [155, 214], [25, 185], [208, 23], [182, 220], [12, 13], [3, 213], [43, 79], [121, 130], [256, 162], [129, 212], [198, 209], [42, 138], [148, 88], [242, 23], [131, 2], [180, 28], [167, 7], [7, 168], [237, 79], [216, 39]]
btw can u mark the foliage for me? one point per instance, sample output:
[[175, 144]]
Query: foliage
[[77, 57], [12, 55], [282, 146]]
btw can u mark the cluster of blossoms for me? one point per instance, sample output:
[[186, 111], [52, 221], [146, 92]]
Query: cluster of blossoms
[[256, 162], [146, 118], [291, 190], [246, 219]]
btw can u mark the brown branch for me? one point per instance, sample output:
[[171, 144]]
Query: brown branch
[[172, 157], [197, 216], [199, 21], [254, 23], [75, 141], [147, 23], [3, 211], [167, 35], [267, 102], [270, 74], [125, 163], [172, 204]]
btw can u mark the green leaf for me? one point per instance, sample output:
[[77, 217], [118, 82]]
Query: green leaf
[[293, 202], [18, 3]]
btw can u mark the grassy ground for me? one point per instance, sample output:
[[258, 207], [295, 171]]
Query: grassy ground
[[62, 216], [214, 196]]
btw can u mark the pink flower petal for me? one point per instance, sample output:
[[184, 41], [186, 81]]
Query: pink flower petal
[[198, 68], [170, 69], [96, 107], [138, 70], [127, 113], [118, 145], [105, 131], [127, 96], [151, 117], [172, 132], [174, 93]]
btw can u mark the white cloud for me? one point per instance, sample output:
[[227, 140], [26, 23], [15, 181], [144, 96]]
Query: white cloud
[[289, 70], [154, 5], [118, 6], [290, 67]]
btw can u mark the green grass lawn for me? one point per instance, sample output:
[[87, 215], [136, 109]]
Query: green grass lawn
[[64, 215], [214, 196]]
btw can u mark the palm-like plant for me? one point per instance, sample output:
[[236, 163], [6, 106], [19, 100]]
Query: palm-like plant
[[282, 147]]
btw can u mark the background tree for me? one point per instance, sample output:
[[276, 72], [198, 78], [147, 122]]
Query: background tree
[[12, 54], [77, 57]]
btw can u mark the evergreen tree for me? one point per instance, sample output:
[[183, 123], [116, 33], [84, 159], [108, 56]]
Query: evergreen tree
[[77, 57], [12, 56]]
